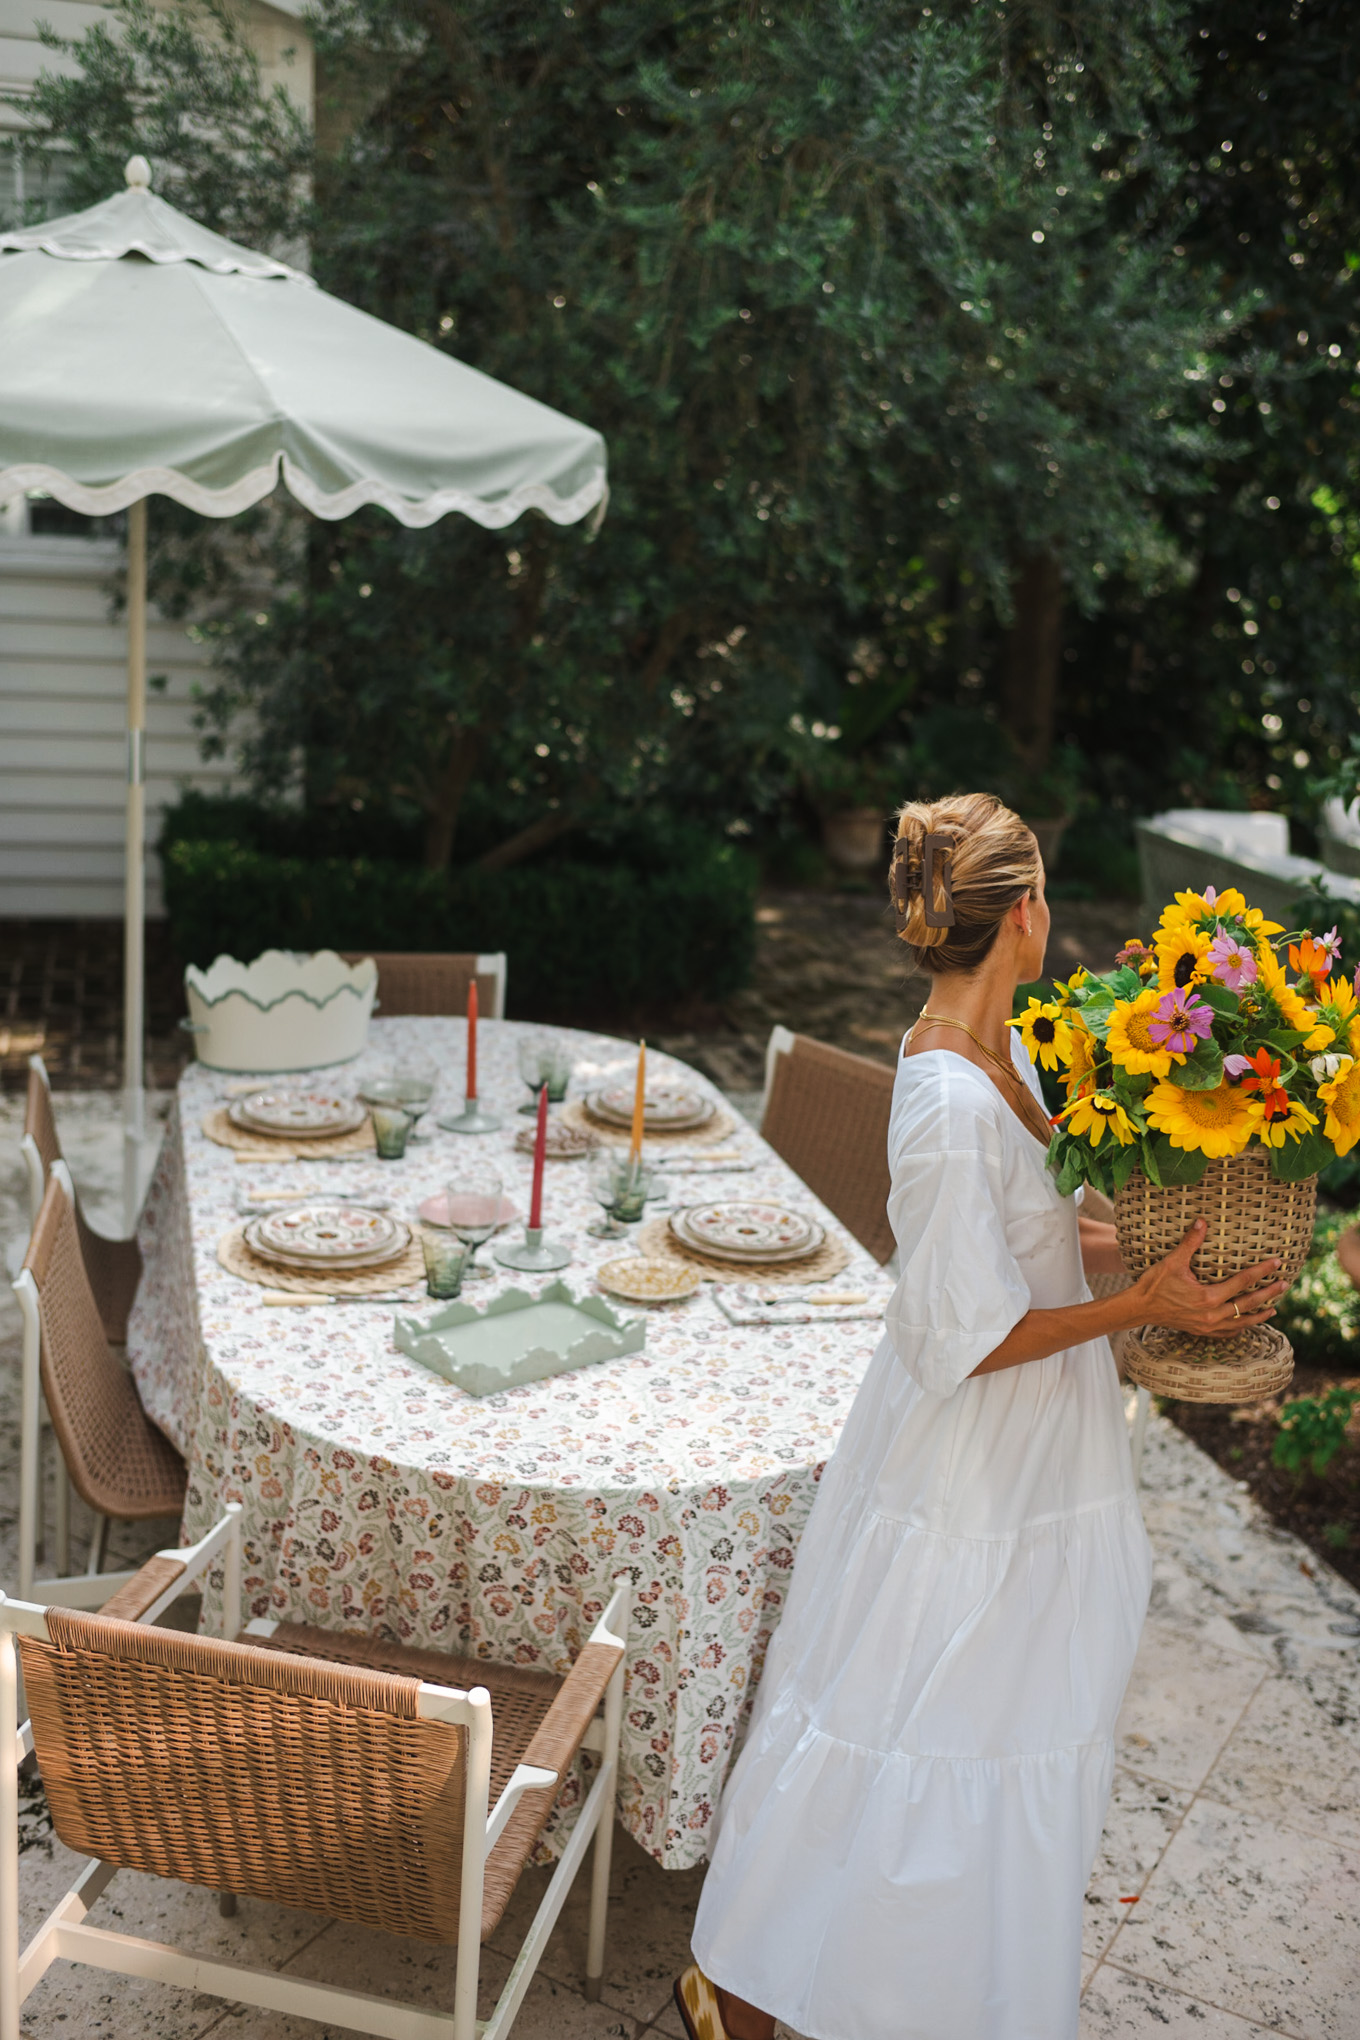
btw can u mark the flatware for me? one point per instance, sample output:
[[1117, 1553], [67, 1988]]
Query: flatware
[[291, 1296]]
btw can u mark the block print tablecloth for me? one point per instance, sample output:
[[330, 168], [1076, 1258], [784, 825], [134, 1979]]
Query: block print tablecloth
[[378, 1496]]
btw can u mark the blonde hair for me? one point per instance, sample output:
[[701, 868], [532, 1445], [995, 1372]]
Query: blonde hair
[[988, 860]]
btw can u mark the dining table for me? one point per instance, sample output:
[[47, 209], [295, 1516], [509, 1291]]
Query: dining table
[[379, 1497]]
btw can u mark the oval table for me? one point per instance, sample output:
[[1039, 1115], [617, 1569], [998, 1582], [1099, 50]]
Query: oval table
[[378, 1496]]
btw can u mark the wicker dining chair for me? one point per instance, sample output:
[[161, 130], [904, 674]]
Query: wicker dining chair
[[410, 981], [118, 1462], [390, 1788], [113, 1266], [826, 1113]]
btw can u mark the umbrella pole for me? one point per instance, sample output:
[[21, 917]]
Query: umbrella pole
[[134, 877]]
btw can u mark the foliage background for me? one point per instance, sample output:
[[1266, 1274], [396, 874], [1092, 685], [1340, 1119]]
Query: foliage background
[[979, 382]]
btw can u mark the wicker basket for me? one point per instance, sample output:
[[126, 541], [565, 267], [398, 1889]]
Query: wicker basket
[[1250, 1216]]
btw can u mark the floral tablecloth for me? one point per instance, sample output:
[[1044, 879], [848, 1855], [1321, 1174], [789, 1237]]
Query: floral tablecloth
[[377, 1496]]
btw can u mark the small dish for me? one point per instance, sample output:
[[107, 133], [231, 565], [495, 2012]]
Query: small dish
[[639, 1280], [562, 1143]]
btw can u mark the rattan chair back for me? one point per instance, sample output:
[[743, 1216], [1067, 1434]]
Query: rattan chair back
[[113, 1266], [413, 983], [118, 1461], [247, 1770], [827, 1115]]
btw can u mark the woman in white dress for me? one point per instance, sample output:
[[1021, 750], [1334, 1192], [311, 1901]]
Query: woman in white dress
[[905, 1840]]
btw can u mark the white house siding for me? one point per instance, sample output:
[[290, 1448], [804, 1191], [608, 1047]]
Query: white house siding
[[63, 750], [63, 673]]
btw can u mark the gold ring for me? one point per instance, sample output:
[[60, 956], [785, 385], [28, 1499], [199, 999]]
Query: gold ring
[[1236, 1311]]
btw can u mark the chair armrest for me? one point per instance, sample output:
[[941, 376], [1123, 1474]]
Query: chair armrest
[[144, 1589]]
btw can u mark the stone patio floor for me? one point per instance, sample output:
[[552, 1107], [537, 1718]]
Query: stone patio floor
[[1225, 1904]]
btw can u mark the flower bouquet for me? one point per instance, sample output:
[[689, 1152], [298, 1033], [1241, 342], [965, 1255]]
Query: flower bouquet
[[1205, 1077]]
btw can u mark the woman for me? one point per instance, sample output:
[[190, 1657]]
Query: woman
[[905, 1841]]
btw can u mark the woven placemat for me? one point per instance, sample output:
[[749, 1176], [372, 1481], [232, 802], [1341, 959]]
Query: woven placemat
[[656, 1240], [718, 1128], [1258, 1363], [262, 1148], [235, 1256]]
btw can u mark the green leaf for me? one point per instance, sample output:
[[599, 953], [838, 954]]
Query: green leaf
[[1285, 1038], [1221, 999], [1202, 1071], [1176, 1165], [1125, 1162], [1125, 982], [1299, 1159]]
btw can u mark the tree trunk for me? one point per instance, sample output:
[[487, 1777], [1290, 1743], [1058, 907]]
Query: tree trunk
[[1033, 648], [525, 841], [442, 820]]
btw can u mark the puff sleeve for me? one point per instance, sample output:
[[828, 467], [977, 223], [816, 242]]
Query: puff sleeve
[[961, 1290]]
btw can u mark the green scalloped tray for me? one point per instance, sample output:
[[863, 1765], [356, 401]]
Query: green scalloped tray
[[518, 1338]]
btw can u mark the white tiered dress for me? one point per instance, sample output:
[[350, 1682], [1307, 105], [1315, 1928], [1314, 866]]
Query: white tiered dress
[[905, 1840]]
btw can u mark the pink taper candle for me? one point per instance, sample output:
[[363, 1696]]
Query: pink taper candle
[[540, 1150], [639, 1102], [472, 1039]]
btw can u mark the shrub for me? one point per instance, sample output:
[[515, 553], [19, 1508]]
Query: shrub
[[1313, 1430], [1320, 1315], [585, 939]]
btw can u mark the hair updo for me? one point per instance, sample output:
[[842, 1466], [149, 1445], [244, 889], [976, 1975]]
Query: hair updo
[[986, 861]]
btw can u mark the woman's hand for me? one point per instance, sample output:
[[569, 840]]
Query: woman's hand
[[1170, 1294]]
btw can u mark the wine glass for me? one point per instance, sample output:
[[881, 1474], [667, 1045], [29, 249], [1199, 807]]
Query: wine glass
[[413, 1076], [622, 1185], [473, 1210], [543, 1061]]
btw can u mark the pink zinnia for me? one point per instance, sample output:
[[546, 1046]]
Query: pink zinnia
[[1180, 1022], [1233, 963], [1331, 942]]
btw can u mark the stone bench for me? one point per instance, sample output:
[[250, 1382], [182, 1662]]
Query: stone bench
[[1191, 848]]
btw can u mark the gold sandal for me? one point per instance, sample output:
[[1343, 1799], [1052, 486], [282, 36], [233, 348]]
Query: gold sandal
[[697, 2001]]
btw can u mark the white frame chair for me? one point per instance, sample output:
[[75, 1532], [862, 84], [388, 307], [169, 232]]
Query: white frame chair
[[66, 1935]]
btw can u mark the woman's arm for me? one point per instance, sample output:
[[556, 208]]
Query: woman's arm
[[1168, 1294]]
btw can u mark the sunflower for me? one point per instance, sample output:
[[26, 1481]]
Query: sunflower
[[1183, 958], [1292, 1010], [1342, 1099], [1081, 1071], [1098, 1114], [1275, 1115], [1337, 1006], [1216, 1122], [1131, 1046], [1046, 1033]]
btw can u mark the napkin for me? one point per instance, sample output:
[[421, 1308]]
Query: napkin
[[755, 1303]]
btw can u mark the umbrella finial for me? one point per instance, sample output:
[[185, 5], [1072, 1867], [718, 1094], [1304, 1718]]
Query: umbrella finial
[[137, 171]]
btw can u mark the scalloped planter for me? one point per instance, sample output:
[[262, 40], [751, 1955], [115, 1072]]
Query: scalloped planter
[[280, 1013]]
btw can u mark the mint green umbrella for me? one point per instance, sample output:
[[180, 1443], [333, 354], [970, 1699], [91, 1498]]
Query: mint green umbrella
[[142, 355]]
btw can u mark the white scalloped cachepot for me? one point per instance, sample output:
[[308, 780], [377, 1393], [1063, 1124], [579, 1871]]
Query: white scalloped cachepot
[[280, 1013]]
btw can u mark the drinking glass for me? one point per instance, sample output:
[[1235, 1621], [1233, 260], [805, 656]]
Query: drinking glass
[[622, 1186], [391, 1131], [446, 1260], [408, 1081], [543, 1061], [473, 1200]]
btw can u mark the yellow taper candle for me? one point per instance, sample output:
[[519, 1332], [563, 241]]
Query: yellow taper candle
[[639, 1101]]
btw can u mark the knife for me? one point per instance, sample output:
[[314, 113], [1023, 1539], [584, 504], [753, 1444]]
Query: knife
[[287, 1296]]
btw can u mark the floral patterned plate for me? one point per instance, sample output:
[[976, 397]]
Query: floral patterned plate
[[667, 1108], [309, 1115], [733, 1231], [328, 1235], [639, 1280]]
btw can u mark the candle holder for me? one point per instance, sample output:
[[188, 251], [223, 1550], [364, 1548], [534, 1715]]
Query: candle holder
[[474, 1118], [534, 1253]]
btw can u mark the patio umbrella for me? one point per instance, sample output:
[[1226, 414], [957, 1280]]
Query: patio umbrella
[[142, 354]]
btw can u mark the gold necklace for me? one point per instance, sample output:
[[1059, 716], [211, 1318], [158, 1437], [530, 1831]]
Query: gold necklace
[[1007, 1070]]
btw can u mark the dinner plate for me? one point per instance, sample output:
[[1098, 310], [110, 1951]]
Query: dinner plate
[[307, 1115], [667, 1108], [435, 1210], [328, 1234], [747, 1231], [563, 1143]]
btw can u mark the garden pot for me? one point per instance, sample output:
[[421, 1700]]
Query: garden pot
[[1250, 1217], [1048, 831], [856, 839]]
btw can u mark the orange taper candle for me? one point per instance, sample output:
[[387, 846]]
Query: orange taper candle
[[639, 1101], [472, 1039]]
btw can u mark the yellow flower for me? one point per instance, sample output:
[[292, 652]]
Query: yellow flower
[[1270, 1125], [1337, 1006], [1210, 1123], [1191, 908], [1092, 1117], [1342, 1098], [1081, 1072], [1181, 954], [1063, 992], [1046, 1033], [1131, 1047], [1271, 978]]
